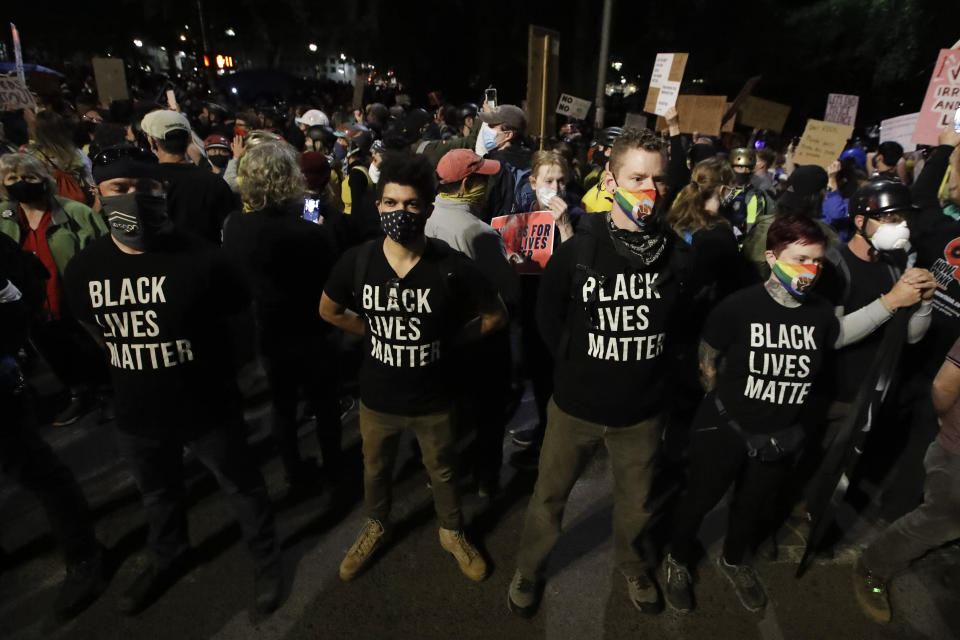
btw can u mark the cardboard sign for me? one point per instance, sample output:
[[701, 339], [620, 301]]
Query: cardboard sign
[[528, 239], [111, 80], [745, 92], [900, 129], [700, 114], [764, 114], [573, 106], [729, 123], [822, 143], [14, 94], [942, 99], [635, 121], [842, 108], [665, 82]]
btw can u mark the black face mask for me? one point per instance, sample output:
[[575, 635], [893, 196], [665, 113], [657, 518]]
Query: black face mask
[[27, 191], [137, 220], [220, 162], [742, 179]]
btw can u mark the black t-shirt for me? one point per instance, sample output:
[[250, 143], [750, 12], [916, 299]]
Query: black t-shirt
[[162, 317], [608, 338], [771, 355], [198, 201], [410, 322], [868, 281], [288, 260]]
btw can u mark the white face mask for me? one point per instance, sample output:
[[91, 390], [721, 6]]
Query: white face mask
[[480, 147], [545, 195], [891, 236], [374, 172]]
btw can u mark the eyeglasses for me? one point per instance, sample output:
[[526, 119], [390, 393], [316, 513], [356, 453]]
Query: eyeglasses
[[114, 154]]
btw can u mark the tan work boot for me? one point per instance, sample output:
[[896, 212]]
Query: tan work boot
[[369, 540], [471, 562]]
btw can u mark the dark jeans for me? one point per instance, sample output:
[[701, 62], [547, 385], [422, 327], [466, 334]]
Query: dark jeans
[[72, 354], [307, 366], [28, 459], [567, 448], [538, 362], [157, 466], [718, 458]]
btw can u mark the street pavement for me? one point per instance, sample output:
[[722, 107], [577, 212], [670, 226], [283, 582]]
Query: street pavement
[[414, 589]]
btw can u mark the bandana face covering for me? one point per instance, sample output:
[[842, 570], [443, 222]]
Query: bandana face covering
[[796, 278], [637, 246], [637, 205], [402, 226]]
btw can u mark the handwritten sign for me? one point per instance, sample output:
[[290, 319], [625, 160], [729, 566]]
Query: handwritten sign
[[665, 82], [900, 129], [842, 108], [942, 99], [111, 79], [701, 114], [573, 106], [528, 239], [822, 143], [764, 114], [14, 94]]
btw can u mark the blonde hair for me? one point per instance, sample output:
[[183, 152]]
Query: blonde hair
[[689, 213], [270, 175], [547, 159], [25, 163]]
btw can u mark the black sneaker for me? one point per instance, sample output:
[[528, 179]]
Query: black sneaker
[[523, 597], [644, 593], [152, 583], [525, 437], [268, 587], [76, 408], [526, 459], [84, 584], [746, 583], [678, 585]]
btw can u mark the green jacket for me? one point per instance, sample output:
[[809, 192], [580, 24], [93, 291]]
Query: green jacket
[[755, 244], [73, 226]]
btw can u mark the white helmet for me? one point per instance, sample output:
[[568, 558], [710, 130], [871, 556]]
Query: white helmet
[[313, 117]]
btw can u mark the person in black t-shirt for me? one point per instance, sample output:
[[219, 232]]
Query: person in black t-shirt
[[198, 201], [288, 259], [607, 301], [770, 340], [157, 300], [413, 298]]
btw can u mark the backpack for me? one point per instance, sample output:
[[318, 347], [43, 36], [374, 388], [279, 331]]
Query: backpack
[[523, 193]]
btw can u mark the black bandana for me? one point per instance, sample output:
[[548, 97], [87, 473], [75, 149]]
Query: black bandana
[[637, 245]]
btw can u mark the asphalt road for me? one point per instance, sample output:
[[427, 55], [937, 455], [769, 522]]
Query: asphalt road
[[414, 589]]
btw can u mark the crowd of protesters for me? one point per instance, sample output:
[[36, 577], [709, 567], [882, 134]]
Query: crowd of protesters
[[707, 315]]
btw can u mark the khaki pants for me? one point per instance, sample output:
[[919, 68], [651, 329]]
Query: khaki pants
[[567, 448], [381, 435]]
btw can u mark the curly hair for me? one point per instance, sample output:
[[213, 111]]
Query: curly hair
[[25, 163], [689, 213], [270, 175], [643, 139]]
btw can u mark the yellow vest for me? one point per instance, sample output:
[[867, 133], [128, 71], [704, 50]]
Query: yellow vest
[[347, 193]]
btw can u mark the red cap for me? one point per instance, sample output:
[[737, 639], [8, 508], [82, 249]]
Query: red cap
[[216, 141], [315, 169], [457, 164]]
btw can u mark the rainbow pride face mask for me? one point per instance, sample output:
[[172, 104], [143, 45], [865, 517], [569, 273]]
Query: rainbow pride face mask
[[796, 278], [636, 204]]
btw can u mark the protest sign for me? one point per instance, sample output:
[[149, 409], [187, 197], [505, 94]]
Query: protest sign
[[111, 79], [14, 94], [701, 114], [942, 99], [764, 114], [842, 108], [635, 121], [900, 129], [728, 123], [745, 92], [665, 82], [528, 239], [822, 143], [573, 106]]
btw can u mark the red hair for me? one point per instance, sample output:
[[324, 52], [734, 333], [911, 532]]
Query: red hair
[[787, 229]]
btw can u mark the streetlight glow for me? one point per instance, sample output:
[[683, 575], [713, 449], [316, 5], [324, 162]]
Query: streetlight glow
[[183, 38], [138, 43], [312, 47], [230, 32]]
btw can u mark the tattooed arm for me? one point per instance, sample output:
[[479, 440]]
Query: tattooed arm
[[708, 365]]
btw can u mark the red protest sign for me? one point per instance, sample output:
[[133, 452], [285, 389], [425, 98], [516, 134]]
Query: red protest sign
[[528, 239], [942, 99]]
